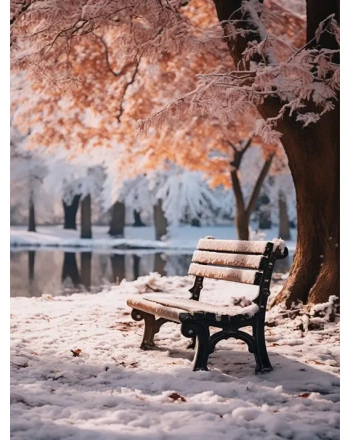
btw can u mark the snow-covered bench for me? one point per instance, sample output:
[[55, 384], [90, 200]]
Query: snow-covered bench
[[248, 262]]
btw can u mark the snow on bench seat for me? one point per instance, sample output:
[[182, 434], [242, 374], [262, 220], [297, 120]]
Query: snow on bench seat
[[164, 306]]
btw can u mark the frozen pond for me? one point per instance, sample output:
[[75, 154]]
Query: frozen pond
[[57, 272]]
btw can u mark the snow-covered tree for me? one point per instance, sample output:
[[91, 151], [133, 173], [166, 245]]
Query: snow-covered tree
[[286, 66], [78, 177], [28, 169]]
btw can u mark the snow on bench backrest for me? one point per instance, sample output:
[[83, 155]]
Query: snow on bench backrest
[[225, 273], [235, 260], [235, 246]]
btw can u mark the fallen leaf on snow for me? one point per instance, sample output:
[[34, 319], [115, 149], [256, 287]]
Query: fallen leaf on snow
[[318, 363], [304, 395], [176, 396], [76, 353]]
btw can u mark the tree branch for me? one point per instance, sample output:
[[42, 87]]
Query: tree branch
[[24, 5], [125, 89], [123, 70]]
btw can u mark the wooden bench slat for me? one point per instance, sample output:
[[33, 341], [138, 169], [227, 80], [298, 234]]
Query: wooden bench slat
[[199, 306], [225, 273], [224, 259], [171, 308], [235, 246], [153, 308]]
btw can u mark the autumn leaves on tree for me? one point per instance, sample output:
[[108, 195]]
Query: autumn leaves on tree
[[202, 78]]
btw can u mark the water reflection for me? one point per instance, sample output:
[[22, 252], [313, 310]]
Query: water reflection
[[55, 272], [70, 272], [85, 269], [118, 267]]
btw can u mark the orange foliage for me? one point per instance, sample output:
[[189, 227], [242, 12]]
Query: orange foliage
[[99, 103]]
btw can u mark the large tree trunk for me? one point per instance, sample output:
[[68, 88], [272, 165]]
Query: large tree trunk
[[242, 224], [284, 231], [70, 213], [117, 224], [314, 159], [137, 219], [31, 218], [160, 222], [85, 218]]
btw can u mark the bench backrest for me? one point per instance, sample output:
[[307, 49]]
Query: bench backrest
[[249, 262]]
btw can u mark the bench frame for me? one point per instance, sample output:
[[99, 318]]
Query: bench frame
[[196, 326]]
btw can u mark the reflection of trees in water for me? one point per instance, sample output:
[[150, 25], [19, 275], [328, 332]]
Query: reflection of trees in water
[[33, 290], [160, 261], [85, 269], [31, 264], [70, 273], [118, 268], [136, 266], [34, 273]]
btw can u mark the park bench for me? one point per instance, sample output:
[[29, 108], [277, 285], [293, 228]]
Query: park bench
[[248, 262]]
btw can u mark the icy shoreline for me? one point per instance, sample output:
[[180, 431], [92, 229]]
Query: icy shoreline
[[135, 238]]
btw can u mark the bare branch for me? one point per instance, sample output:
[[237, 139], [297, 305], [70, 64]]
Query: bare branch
[[123, 70]]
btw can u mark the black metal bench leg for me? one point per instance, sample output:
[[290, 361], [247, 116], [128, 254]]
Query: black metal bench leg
[[263, 364], [202, 335]]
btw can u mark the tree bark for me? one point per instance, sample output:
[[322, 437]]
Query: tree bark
[[70, 268], [117, 224], [70, 213], [160, 222], [242, 224], [31, 219], [284, 231], [314, 159], [85, 269], [85, 218], [137, 219], [118, 267]]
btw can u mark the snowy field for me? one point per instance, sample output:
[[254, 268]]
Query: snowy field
[[110, 389], [186, 237]]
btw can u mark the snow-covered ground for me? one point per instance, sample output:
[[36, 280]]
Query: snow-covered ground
[[114, 390], [186, 238]]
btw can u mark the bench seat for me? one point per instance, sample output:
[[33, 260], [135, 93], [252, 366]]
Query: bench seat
[[176, 309]]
